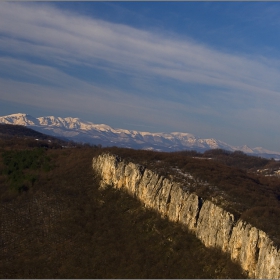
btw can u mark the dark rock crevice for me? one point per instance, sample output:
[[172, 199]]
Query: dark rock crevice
[[199, 206]]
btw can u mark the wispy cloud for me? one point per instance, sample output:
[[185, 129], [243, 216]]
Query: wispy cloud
[[41, 45], [59, 36]]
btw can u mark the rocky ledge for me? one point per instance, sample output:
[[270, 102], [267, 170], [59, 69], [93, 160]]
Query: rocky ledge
[[214, 226]]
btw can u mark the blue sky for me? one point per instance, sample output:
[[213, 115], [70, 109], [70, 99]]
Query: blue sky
[[208, 68]]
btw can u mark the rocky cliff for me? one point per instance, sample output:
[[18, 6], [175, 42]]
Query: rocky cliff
[[214, 226]]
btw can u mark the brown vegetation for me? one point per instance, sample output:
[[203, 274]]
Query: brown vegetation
[[251, 196], [63, 226]]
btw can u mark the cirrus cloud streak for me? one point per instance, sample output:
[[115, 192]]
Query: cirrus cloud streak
[[40, 45]]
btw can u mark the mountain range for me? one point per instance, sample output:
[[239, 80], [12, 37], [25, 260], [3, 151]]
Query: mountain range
[[87, 132]]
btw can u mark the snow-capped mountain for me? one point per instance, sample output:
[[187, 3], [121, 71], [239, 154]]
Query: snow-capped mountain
[[87, 132]]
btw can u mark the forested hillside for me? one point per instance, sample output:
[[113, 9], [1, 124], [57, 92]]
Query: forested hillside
[[57, 223]]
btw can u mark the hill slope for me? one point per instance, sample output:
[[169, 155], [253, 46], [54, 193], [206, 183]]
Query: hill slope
[[19, 131], [215, 227], [63, 226]]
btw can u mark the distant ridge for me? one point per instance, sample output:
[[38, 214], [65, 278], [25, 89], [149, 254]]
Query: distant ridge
[[8, 131], [87, 132]]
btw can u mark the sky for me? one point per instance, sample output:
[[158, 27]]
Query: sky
[[207, 68]]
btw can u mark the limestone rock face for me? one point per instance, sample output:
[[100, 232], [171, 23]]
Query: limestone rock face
[[214, 226]]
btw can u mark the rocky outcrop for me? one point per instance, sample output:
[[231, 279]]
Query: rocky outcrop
[[214, 226]]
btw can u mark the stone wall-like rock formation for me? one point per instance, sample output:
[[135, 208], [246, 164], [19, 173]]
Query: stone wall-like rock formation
[[214, 226]]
